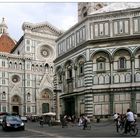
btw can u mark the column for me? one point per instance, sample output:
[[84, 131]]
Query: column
[[57, 91], [89, 104], [88, 69], [132, 70], [133, 101], [111, 99], [111, 72]]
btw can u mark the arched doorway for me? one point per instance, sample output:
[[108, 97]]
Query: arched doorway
[[15, 109], [46, 101], [15, 104]]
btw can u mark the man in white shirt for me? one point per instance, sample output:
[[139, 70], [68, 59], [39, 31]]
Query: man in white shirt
[[129, 119]]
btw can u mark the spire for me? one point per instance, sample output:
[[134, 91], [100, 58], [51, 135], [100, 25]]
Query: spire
[[3, 27]]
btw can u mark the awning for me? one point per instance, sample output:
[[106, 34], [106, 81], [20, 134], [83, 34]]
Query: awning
[[49, 114]]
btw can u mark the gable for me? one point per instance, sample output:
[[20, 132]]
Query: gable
[[45, 30]]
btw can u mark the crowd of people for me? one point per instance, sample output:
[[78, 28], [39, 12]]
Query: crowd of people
[[82, 121]]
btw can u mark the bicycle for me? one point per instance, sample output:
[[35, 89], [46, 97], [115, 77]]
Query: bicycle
[[132, 129], [87, 127]]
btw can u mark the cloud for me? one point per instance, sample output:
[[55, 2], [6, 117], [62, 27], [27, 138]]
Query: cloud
[[61, 15]]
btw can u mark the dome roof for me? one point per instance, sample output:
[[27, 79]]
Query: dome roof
[[118, 6], [6, 43]]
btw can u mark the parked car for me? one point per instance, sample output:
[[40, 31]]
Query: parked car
[[12, 122], [24, 118]]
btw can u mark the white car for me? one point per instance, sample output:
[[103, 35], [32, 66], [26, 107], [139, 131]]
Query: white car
[[24, 118]]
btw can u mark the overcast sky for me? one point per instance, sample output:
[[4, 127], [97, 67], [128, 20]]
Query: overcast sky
[[61, 15]]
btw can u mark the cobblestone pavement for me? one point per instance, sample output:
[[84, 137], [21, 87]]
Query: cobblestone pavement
[[34, 130]]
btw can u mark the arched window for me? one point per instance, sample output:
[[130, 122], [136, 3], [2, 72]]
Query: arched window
[[84, 11], [28, 97], [20, 66], [122, 63], [81, 68], [10, 64], [15, 65], [59, 76], [100, 64], [3, 96], [69, 72], [32, 66]]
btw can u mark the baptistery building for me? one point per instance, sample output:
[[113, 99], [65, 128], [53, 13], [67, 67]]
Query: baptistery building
[[27, 69], [97, 68]]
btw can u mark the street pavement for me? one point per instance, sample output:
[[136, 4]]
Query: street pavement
[[104, 129]]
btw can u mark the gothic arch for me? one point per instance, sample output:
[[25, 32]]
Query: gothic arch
[[122, 48], [108, 55], [69, 62], [46, 93], [16, 99], [80, 57]]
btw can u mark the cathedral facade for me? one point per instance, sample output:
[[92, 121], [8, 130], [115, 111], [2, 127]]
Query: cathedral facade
[[27, 69], [97, 69]]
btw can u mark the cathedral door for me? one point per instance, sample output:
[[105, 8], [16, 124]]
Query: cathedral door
[[15, 109], [45, 107]]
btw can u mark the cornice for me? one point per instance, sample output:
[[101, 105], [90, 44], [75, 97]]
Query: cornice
[[31, 26], [89, 42], [103, 16]]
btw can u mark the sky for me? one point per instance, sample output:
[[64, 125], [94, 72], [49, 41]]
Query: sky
[[59, 14]]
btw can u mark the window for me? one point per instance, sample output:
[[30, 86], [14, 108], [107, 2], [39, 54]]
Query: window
[[3, 74], [3, 81], [28, 48], [15, 65], [20, 66], [10, 64], [121, 27], [100, 64], [28, 41], [28, 97], [136, 25], [3, 96], [69, 68], [122, 63], [3, 63], [28, 109], [28, 66], [28, 83], [60, 77], [84, 11], [33, 109], [81, 68]]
